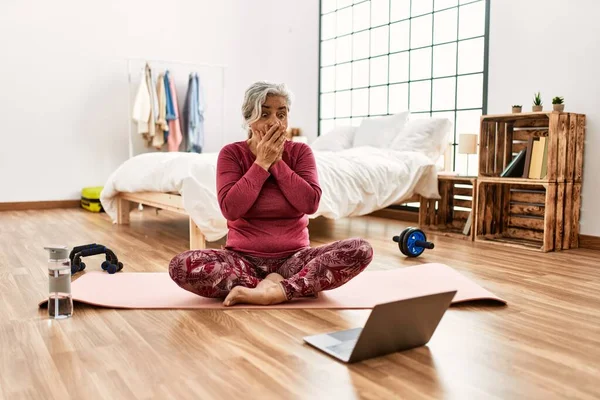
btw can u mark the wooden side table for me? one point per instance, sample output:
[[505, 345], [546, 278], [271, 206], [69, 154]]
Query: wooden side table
[[453, 213]]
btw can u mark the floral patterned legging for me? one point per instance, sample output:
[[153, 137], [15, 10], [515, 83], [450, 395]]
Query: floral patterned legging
[[213, 272]]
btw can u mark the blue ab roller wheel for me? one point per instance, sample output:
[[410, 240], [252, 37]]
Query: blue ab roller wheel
[[412, 242]]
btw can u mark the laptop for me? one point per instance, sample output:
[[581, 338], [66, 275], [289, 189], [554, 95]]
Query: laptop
[[391, 327]]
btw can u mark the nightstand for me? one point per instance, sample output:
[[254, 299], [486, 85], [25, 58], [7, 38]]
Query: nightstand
[[451, 214]]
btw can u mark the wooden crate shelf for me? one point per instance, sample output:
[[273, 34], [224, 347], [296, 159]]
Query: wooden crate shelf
[[518, 181], [540, 214], [502, 136], [510, 212], [448, 215]]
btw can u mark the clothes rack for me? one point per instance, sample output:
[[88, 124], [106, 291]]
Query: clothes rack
[[212, 78]]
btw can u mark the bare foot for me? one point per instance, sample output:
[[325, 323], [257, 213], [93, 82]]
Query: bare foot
[[265, 293]]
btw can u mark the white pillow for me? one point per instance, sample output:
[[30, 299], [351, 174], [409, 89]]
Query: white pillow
[[430, 136], [380, 131], [337, 139]]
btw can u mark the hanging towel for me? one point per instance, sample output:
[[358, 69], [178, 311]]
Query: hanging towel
[[151, 120], [201, 109], [153, 94], [174, 138], [162, 103], [170, 105], [170, 112], [141, 106], [194, 115], [161, 125], [187, 116]]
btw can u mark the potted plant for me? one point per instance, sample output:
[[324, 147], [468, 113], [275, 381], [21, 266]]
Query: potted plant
[[558, 103], [516, 109], [537, 103]]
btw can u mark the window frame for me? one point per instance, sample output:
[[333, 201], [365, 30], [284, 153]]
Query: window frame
[[485, 72]]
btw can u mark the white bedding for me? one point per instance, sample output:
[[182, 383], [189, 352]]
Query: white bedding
[[354, 182]]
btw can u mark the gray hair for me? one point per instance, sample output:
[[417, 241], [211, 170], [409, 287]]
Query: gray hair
[[256, 95]]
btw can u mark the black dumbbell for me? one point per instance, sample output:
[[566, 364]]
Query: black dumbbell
[[412, 242]]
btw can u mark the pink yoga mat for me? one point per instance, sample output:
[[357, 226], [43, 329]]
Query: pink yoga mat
[[156, 290]]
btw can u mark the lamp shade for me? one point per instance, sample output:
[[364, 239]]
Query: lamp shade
[[467, 143]]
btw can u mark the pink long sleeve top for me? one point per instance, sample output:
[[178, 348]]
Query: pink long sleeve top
[[267, 211]]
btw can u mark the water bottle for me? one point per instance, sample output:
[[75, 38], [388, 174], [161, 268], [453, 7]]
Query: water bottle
[[60, 300]]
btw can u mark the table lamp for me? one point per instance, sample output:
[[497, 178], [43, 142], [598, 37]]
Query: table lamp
[[467, 144]]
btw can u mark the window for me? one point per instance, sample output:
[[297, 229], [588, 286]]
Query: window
[[379, 57]]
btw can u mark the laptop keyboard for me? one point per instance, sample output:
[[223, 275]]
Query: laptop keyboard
[[343, 348]]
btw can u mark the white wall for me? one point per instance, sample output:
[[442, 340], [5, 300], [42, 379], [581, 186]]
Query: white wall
[[551, 46], [63, 77]]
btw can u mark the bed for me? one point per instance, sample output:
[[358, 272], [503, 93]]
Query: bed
[[355, 181]]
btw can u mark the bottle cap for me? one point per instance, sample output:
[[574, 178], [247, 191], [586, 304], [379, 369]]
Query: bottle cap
[[58, 252]]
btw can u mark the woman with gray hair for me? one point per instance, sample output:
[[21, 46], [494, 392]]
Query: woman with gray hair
[[267, 186]]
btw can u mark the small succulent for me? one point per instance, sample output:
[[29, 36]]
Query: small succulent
[[517, 105], [537, 100], [558, 100]]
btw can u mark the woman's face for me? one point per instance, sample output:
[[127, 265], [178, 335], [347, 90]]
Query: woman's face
[[273, 112]]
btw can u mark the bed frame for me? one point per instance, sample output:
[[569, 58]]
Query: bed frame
[[166, 201], [172, 202]]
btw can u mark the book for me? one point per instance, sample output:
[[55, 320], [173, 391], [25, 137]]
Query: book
[[537, 155], [516, 166], [544, 170], [528, 156]]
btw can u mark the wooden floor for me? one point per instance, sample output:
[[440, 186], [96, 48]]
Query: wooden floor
[[544, 344]]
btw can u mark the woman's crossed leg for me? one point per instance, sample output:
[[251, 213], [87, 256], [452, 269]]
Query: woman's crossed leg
[[212, 272], [224, 273], [326, 267]]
